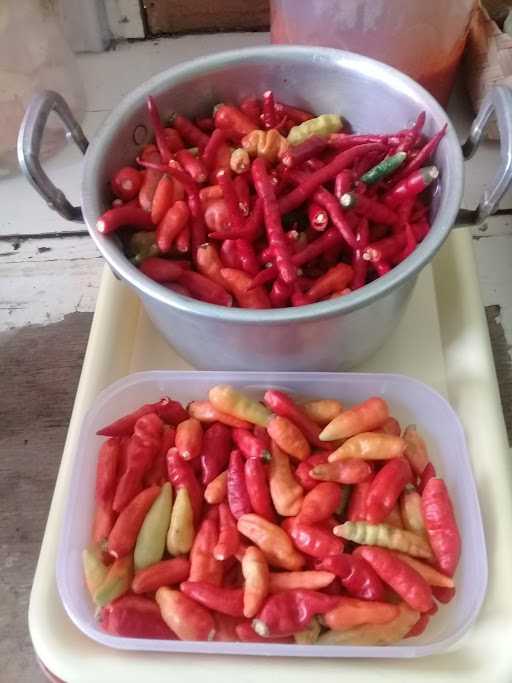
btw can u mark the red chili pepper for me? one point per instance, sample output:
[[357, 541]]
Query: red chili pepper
[[246, 634], [224, 600], [161, 270], [302, 472], [287, 613], [229, 117], [419, 627], [236, 219], [343, 183], [104, 518], [229, 254], [148, 429], [203, 565], [357, 505], [443, 594], [426, 153], [173, 138], [371, 208], [402, 578], [209, 263], [204, 289], [238, 496], [181, 475], [310, 148], [241, 284], [197, 224], [359, 264], [126, 183], [411, 185], [167, 192], [164, 573], [280, 294], [317, 216], [258, 489], [133, 616], [335, 279], [250, 445], [171, 225], [294, 114], [269, 115], [185, 617], [106, 470], [215, 451], [326, 241], [182, 245], [205, 123], [123, 216], [263, 185], [190, 133], [385, 489], [251, 230], [343, 141], [428, 473], [158, 129], [356, 575], [247, 257], [250, 106], [441, 525], [192, 165], [171, 412], [123, 536], [315, 541], [211, 150], [243, 192], [229, 538], [306, 188], [139, 458], [189, 438], [349, 471], [320, 503], [283, 405], [385, 249]]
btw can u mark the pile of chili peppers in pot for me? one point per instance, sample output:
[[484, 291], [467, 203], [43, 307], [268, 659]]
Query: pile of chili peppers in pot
[[235, 519], [263, 205]]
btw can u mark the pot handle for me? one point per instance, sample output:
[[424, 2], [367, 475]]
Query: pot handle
[[29, 147], [498, 100]]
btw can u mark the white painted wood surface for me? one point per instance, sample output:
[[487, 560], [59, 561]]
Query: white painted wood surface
[[44, 278]]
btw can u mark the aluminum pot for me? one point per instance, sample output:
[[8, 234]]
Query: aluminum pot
[[372, 97]]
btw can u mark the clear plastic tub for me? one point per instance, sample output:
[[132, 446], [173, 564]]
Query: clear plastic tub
[[411, 402]]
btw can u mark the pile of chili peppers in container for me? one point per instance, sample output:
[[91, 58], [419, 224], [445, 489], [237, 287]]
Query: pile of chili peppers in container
[[264, 205], [268, 521]]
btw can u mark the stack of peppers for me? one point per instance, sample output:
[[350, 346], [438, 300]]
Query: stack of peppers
[[267, 206], [271, 521]]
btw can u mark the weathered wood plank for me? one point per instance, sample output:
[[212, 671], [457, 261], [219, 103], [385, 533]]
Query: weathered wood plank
[[180, 16], [39, 378]]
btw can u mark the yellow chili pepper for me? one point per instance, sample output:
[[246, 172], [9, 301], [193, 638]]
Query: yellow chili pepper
[[412, 516], [268, 144], [322, 411], [181, 529], [228, 400], [94, 570], [373, 634], [431, 575], [150, 545], [385, 536], [286, 492], [239, 161], [370, 446], [310, 635], [117, 581], [322, 125]]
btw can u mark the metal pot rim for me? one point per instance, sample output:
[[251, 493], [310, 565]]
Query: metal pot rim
[[445, 218]]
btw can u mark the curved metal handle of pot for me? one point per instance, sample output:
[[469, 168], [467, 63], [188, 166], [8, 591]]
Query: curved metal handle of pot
[[498, 100], [29, 147]]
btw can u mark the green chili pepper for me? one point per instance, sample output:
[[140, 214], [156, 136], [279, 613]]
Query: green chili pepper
[[150, 545], [385, 168], [116, 583], [94, 569], [142, 245]]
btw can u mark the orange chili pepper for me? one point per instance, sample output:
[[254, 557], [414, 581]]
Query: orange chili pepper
[[216, 491], [370, 446], [432, 576], [272, 540], [123, 536], [288, 437], [390, 426], [410, 508], [416, 450], [286, 492], [209, 263], [351, 471], [321, 502], [361, 418], [185, 617], [353, 612], [311, 580], [189, 438], [256, 575]]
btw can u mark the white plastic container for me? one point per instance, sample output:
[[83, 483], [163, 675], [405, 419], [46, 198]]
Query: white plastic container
[[410, 401]]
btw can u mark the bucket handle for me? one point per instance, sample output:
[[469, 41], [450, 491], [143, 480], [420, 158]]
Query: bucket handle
[[499, 101], [30, 138]]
